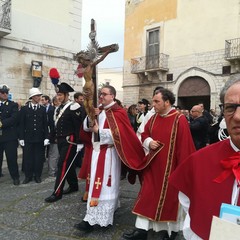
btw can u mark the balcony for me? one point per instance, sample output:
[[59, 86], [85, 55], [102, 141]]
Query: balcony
[[154, 63], [232, 49], [5, 17]]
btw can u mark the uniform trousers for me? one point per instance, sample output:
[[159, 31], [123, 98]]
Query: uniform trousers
[[53, 156], [67, 152], [10, 149], [33, 159]]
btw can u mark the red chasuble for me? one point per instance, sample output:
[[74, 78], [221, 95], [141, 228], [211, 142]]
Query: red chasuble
[[86, 138], [126, 142], [84, 172], [157, 200], [196, 179]]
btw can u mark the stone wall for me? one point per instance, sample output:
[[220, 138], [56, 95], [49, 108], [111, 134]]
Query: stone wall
[[209, 63], [15, 66]]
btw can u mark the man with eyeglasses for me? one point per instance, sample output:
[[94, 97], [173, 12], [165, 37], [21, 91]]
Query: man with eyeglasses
[[211, 176], [116, 141], [8, 133]]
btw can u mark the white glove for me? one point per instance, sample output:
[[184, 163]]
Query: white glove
[[46, 142], [21, 142], [79, 147]]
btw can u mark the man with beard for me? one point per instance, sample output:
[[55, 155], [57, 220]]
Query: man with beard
[[157, 204]]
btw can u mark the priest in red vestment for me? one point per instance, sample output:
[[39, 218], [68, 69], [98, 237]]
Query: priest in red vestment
[[210, 176], [114, 132], [84, 172], [157, 203]]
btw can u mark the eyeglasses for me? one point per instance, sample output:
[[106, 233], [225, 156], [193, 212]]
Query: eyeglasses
[[3, 92], [104, 94], [229, 108]]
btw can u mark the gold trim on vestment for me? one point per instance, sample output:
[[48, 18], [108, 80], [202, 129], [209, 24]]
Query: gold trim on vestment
[[169, 161]]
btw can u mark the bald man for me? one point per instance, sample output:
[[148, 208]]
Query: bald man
[[199, 127]]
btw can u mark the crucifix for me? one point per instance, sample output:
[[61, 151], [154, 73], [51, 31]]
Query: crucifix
[[88, 61]]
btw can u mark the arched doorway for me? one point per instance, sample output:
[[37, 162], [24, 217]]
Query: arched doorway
[[192, 91]]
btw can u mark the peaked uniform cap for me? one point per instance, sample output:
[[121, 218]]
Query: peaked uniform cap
[[4, 88], [64, 88], [144, 101]]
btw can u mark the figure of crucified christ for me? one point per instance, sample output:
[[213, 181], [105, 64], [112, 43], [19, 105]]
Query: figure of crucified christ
[[86, 67]]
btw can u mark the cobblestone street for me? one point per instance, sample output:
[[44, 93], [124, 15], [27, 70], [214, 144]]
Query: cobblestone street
[[25, 216]]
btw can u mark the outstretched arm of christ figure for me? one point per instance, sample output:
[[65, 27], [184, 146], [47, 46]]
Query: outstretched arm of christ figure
[[109, 49]]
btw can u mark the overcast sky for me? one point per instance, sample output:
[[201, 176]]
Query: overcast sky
[[109, 17]]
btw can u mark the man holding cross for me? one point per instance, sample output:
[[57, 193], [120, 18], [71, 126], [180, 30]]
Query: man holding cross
[[114, 130], [110, 138]]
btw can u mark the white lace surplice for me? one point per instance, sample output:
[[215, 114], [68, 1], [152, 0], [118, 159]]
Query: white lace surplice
[[103, 213]]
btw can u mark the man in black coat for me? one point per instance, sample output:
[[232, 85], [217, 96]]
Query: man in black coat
[[199, 127], [46, 102], [8, 133], [68, 117], [33, 136]]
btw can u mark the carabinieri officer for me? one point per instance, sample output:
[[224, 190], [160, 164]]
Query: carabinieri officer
[[8, 133], [33, 136], [68, 118]]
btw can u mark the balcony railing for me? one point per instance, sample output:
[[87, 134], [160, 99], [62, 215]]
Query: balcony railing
[[157, 62], [232, 49], [5, 17]]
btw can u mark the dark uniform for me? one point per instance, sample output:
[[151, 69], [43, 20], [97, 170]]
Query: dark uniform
[[9, 138], [50, 113], [68, 119], [199, 130], [33, 130]]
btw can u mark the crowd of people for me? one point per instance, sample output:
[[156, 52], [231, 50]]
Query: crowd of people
[[33, 127], [179, 156]]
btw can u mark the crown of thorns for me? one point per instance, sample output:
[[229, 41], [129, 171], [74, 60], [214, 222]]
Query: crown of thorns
[[82, 55], [91, 54]]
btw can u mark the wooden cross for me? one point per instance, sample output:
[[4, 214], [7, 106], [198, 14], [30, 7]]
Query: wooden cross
[[88, 61], [98, 183], [104, 51], [92, 36]]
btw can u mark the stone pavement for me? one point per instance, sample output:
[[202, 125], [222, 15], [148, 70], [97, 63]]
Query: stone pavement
[[25, 216]]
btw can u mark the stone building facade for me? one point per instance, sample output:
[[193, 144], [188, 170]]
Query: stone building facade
[[188, 46], [112, 76], [40, 35]]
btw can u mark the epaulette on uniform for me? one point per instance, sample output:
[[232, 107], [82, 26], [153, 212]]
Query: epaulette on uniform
[[74, 106]]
